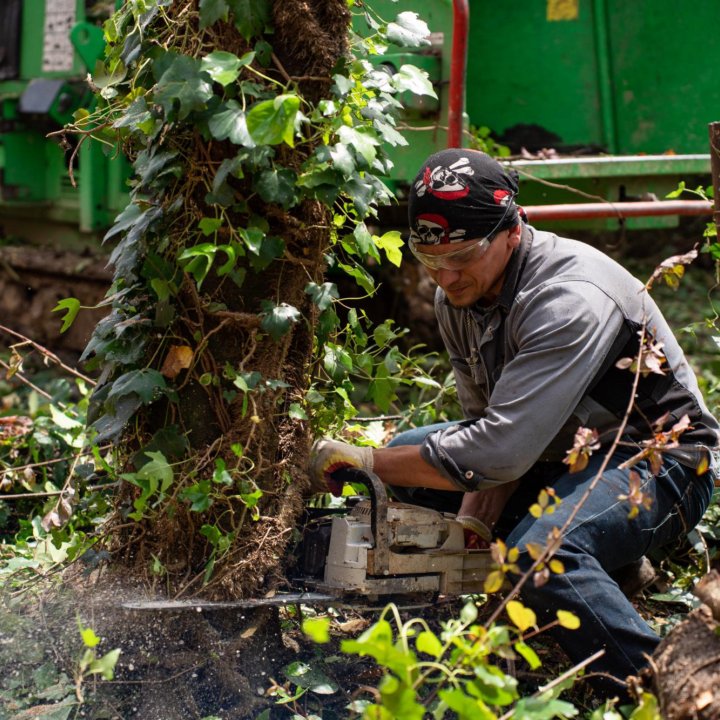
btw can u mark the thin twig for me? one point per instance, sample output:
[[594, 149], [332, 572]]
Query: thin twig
[[44, 351], [54, 493]]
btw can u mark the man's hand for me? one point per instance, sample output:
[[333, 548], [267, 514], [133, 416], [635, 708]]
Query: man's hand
[[328, 456], [480, 511]]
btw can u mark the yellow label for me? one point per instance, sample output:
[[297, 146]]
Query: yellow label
[[563, 9]]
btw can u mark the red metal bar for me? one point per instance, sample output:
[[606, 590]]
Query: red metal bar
[[586, 211], [458, 65]]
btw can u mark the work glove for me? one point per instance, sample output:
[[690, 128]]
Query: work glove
[[328, 456], [477, 533]]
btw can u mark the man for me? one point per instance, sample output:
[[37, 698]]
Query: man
[[540, 331]]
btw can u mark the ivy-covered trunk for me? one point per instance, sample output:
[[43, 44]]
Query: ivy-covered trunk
[[218, 272], [257, 145]]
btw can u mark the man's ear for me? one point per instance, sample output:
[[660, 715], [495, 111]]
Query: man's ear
[[514, 236]]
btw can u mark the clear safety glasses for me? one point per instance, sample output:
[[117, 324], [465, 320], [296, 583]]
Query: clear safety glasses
[[454, 260]]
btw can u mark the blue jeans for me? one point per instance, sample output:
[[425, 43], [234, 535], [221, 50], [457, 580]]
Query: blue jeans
[[600, 540]]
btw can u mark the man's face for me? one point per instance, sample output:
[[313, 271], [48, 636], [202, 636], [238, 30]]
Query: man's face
[[479, 276]]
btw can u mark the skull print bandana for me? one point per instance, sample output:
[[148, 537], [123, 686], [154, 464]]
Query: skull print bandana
[[461, 195]]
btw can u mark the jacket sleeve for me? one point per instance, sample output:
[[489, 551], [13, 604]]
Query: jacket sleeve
[[562, 334]]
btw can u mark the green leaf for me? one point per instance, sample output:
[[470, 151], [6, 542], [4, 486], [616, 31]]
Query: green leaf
[[277, 185], [183, 82], [250, 16], [198, 495], [342, 159], [312, 678], [208, 226], [529, 654], [413, 79], [272, 122], [231, 124], [322, 295], [360, 275], [147, 384], [211, 11], [467, 708], [365, 144], [277, 319], [297, 412], [428, 642], [105, 665], [317, 628], [224, 67], [408, 30], [71, 306], [390, 242]]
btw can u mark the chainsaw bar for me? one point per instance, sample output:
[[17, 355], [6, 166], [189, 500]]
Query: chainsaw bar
[[279, 600]]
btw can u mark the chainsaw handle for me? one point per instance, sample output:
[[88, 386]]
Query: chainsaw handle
[[378, 514]]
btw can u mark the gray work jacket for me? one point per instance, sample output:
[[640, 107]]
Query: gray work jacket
[[541, 362]]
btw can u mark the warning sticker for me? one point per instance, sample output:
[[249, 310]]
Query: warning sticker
[[58, 51], [563, 9]]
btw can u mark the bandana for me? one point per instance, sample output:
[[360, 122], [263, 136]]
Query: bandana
[[461, 195]]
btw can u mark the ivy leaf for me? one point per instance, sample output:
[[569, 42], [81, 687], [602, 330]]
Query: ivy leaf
[[277, 319], [211, 11], [277, 185], [365, 144], [71, 306], [322, 295], [360, 275], [408, 30], [412, 78], [271, 247], [342, 159], [224, 67], [272, 122], [390, 242], [145, 383], [231, 124], [251, 16], [184, 82]]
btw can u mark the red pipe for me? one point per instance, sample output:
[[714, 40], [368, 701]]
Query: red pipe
[[619, 209], [458, 66]]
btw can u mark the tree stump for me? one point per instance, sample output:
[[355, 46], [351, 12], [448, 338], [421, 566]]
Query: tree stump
[[686, 664]]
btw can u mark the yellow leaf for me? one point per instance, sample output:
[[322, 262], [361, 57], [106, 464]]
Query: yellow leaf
[[568, 620], [179, 358], [534, 550], [494, 581], [703, 465], [513, 555], [557, 567], [543, 499], [523, 617], [536, 510]]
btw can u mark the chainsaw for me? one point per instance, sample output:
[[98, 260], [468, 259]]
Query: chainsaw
[[368, 553]]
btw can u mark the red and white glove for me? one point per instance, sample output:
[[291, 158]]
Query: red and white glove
[[328, 456], [477, 533]]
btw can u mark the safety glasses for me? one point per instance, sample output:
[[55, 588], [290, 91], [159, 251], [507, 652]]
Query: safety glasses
[[454, 260]]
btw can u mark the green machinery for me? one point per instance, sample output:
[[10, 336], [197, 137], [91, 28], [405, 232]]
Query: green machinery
[[584, 78], [48, 47]]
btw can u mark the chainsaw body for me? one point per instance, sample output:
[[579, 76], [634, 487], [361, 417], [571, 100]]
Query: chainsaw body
[[387, 548]]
